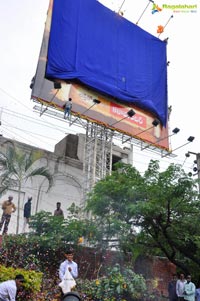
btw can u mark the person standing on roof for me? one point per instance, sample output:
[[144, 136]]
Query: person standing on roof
[[27, 212], [8, 208], [67, 108]]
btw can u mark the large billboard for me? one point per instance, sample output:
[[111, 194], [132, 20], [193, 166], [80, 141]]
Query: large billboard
[[109, 111]]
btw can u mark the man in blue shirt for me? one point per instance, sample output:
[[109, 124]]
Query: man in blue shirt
[[189, 290], [172, 288]]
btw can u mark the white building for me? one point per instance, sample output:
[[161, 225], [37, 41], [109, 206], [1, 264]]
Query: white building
[[66, 165]]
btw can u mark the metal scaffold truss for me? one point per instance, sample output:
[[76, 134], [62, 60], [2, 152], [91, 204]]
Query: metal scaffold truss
[[82, 123], [97, 162], [97, 154]]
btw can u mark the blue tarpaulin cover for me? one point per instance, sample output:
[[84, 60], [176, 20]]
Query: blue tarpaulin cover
[[98, 47]]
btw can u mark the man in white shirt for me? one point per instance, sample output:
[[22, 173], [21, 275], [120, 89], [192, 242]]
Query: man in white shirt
[[8, 289], [68, 264], [180, 284]]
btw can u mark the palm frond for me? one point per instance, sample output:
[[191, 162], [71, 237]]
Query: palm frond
[[32, 158], [3, 189], [3, 160], [12, 159], [16, 166], [41, 171], [6, 174]]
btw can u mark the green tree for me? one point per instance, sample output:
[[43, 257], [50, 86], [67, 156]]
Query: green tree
[[109, 203], [49, 237], [57, 231], [16, 167], [157, 213]]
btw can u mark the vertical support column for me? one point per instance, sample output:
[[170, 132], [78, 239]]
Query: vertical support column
[[198, 169], [131, 154], [197, 161], [97, 155]]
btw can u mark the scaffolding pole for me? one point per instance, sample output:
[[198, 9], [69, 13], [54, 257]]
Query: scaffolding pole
[[97, 155]]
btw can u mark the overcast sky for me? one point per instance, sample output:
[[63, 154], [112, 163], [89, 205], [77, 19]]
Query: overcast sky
[[21, 30]]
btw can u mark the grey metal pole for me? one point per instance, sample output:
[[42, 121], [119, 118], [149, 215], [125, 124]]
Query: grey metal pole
[[198, 169], [198, 166]]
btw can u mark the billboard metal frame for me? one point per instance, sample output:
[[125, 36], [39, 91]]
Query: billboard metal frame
[[103, 120], [125, 139], [110, 112]]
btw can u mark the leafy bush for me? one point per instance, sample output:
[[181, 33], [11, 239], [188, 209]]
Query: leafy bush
[[33, 279], [119, 284], [50, 237]]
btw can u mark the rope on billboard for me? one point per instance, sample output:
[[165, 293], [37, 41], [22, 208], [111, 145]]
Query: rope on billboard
[[150, 1], [161, 28], [48, 104], [119, 11]]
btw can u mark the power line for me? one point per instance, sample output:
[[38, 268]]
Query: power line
[[24, 139], [29, 118], [52, 126], [20, 129], [141, 162], [14, 98]]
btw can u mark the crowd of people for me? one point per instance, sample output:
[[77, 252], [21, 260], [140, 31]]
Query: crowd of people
[[8, 208], [179, 288], [182, 288], [10, 288]]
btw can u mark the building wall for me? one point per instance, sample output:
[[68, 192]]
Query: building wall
[[66, 165], [157, 271]]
